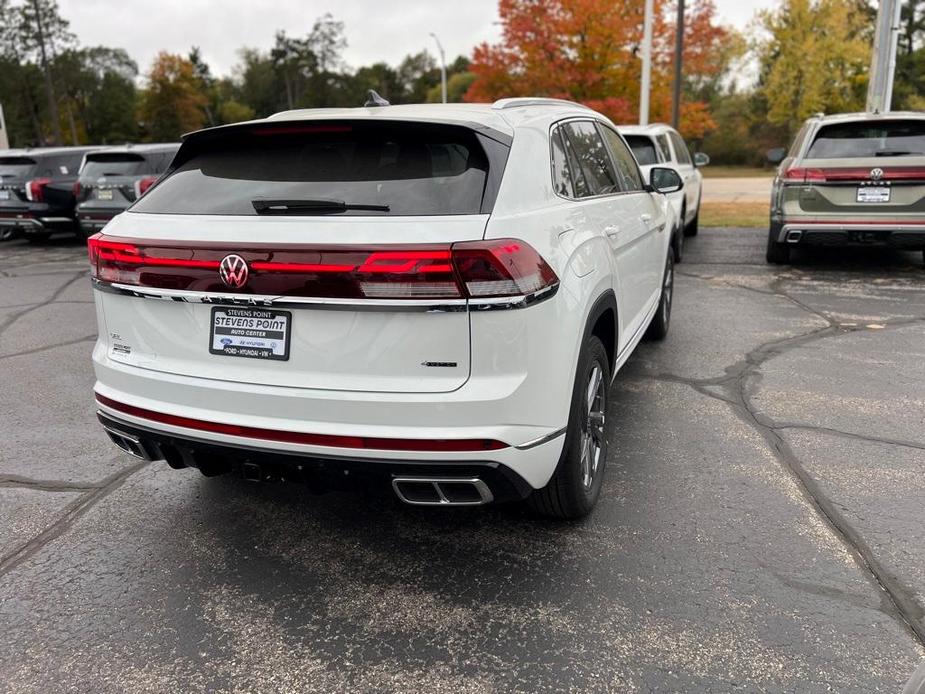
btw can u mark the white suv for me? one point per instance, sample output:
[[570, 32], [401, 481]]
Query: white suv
[[433, 296], [661, 145]]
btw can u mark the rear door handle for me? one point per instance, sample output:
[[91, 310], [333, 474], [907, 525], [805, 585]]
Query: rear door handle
[[612, 230], [646, 218]]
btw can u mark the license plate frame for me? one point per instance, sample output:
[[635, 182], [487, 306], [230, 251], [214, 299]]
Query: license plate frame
[[250, 332], [873, 194], [104, 194]]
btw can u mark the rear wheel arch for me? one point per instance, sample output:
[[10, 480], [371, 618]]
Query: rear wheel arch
[[602, 322]]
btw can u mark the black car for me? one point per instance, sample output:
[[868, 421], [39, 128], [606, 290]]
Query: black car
[[37, 190], [112, 179]]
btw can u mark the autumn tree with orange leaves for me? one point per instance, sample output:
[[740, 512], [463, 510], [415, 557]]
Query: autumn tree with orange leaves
[[587, 51]]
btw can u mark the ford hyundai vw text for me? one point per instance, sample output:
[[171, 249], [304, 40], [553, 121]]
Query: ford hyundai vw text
[[436, 296]]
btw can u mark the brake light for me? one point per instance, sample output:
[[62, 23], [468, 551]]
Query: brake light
[[35, 189], [796, 174], [142, 186], [471, 269], [76, 189]]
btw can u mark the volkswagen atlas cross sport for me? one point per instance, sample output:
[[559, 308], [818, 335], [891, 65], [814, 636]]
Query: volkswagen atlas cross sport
[[435, 296], [850, 180]]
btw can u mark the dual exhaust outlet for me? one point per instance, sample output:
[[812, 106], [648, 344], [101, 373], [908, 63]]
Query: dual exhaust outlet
[[417, 491]]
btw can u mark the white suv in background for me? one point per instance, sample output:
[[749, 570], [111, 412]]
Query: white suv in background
[[434, 296], [661, 145]]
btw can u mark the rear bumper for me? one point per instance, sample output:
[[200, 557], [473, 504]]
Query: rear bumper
[[321, 471], [92, 220], [902, 235], [35, 223]]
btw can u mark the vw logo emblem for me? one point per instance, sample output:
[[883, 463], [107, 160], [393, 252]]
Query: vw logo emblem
[[233, 271], [876, 174]]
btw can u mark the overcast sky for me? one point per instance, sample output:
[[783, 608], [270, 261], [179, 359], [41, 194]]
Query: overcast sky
[[376, 29]]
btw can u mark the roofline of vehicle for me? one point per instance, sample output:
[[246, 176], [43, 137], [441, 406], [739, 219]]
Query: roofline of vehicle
[[867, 115], [344, 115]]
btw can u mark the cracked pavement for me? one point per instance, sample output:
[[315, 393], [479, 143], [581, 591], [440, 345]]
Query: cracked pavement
[[760, 527]]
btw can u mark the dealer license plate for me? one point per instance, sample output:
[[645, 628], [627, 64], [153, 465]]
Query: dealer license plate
[[873, 194], [250, 332], [104, 194], [4, 195]]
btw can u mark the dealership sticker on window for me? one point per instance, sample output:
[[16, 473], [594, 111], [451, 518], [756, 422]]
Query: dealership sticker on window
[[250, 332]]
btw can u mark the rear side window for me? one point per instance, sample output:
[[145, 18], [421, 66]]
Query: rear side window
[[561, 169], [643, 149], [684, 157], [104, 164], [592, 157], [630, 178], [887, 138], [394, 168], [798, 141], [661, 141]]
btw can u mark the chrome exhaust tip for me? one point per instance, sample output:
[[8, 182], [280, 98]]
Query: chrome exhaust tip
[[794, 236], [130, 444], [442, 491]]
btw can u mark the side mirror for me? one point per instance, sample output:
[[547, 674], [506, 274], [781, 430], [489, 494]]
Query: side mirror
[[776, 155], [701, 159], [663, 180]]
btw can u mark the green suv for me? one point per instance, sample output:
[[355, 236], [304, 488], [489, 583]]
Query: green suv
[[850, 180]]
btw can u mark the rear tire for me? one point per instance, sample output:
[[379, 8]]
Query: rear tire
[[7, 234], [575, 486], [777, 253], [658, 328], [39, 238]]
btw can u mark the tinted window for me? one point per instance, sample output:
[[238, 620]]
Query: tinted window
[[630, 178], [664, 150], [643, 148], [561, 170], [592, 157], [413, 169], [684, 157], [58, 165], [16, 167], [113, 164], [876, 139]]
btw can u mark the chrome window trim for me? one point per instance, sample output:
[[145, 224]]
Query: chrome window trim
[[323, 303]]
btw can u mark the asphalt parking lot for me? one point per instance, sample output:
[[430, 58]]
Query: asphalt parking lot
[[760, 527]]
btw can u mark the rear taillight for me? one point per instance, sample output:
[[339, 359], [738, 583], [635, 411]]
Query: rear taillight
[[76, 190], [142, 185], [796, 174], [471, 269], [35, 189]]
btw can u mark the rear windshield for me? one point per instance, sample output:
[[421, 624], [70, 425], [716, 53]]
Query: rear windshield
[[644, 149], [896, 138], [113, 164], [394, 168], [16, 167]]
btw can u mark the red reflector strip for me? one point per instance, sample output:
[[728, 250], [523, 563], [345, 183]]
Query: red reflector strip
[[297, 437], [299, 267]]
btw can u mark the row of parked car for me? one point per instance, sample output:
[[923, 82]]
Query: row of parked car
[[74, 189]]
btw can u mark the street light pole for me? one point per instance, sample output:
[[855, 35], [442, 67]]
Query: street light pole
[[678, 54], [883, 60], [645, 87], [442, 66]]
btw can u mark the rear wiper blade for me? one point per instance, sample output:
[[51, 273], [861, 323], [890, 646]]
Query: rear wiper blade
[[895, 153], [311, 206]]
